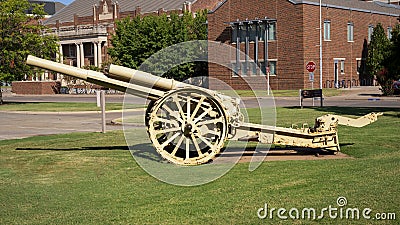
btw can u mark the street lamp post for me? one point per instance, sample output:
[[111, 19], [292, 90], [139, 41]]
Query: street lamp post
[[320, 44]]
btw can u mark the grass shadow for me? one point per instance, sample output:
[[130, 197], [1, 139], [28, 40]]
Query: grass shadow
[[356, 111], [97, 148]]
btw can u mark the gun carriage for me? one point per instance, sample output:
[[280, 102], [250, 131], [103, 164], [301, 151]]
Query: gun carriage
[[188, 125]]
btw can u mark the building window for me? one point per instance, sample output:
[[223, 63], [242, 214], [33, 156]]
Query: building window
[[72, 50], [272, 31], [242, 33], [234, 34], [253, 31], [251, 69], [244, 68], [389, 32], [272, 67], [235, 69], [350, 32], [370, 31], [342, 66], [327, 30]]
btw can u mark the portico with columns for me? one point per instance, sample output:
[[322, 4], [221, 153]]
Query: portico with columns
[[83, 52]]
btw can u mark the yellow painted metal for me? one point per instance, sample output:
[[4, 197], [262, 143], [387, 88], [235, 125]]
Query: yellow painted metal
[[323, 135], [359, 122], [188, 125], [95, 77], [143, 78]]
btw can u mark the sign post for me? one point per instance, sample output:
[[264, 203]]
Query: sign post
[[310, 67], [101, 102], [267, 70], [311, 78]]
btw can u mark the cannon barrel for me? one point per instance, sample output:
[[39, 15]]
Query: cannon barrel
[[95, 77], [143, 78]]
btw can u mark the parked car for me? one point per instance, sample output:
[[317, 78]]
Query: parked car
[[396, 87]]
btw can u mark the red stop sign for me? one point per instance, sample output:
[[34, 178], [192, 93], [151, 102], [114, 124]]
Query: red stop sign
[[310, 66]]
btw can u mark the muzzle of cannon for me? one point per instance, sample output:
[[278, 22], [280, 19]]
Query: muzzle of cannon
[[188, 125]]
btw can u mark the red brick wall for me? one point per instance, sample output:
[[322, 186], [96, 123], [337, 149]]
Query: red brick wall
[[339, 47], [204, 4], [297, 40], [287, 44], [36, 87]]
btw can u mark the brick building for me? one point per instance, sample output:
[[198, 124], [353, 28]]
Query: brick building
[[394, 2], [292, 30], [84, 27]]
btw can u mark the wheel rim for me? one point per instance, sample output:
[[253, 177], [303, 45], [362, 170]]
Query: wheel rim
[[187, 127]]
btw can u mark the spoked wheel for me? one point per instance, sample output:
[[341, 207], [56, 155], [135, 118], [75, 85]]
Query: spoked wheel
[[187, 126]]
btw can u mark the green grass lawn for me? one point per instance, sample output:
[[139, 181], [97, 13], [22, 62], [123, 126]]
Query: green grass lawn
[[62, 106], [91, 178]]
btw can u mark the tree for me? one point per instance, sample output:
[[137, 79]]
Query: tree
[[136, 39], [393, 60], [378, 52], [20, 35]]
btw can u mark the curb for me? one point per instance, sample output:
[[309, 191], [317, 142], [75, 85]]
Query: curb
[[70, 113]]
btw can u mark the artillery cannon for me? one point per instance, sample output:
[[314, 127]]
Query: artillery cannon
[[188, 125]]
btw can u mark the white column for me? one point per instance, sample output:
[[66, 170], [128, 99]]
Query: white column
[[61, 54], [78, 56], [99, 54], [95, 53], [82, 55], [60, 59]]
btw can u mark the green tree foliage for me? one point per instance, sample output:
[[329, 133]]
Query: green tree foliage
[[383, 59], [20, 35], [136, 39], [393, 60], [378, 59], [377, 50]]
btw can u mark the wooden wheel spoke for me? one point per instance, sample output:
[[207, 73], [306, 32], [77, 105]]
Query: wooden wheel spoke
[[197, 107], [214, 121], [164, 120], [202, 115], [172, 113], [188, 108], [177, 145], [203, 139], [196, 145], [170, 139], [167, 130], [176, 100], [187, 148], [188, 134]]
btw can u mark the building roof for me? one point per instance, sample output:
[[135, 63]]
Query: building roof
[[355, 5], [85, 8], [50, 7]]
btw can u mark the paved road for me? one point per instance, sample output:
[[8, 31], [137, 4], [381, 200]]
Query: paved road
[[19, 125], [357, 97]]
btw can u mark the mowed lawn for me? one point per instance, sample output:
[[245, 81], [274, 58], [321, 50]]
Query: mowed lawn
[[91, 178]]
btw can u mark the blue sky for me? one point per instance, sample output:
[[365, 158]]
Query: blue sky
[[65, 2]]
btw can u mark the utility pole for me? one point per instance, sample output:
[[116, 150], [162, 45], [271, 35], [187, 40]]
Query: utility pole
[[320, 44]]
